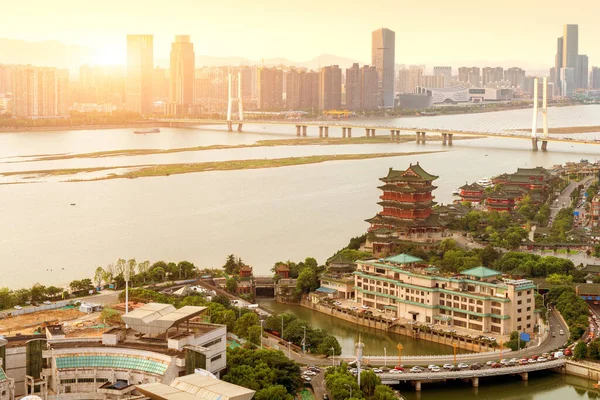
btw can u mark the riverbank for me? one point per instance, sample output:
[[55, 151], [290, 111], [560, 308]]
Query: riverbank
[[446, 339], [145, 171], [54, 128]]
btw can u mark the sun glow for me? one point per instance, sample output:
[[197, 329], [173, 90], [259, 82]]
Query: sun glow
[[109, 56]]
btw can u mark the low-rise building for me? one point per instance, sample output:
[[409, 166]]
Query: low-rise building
[[196, 386], [7, 385], [472, 193], [476, 299], [340, 286]]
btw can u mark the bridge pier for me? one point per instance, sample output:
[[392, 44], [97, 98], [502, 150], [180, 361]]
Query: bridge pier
[[240, 127], [372, 132], [320, 131], [475, 381], [229, 126], [450, 139], [418, 386], [392, 134], [368, 131], [524, 375], [303, 130], [349, 132], [326, 131], [298, 130], [343, 132], [544, 145], [534, 144], [444, 139]]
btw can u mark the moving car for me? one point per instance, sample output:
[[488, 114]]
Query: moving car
[[431, 366], [463, 366], [435, 369], [377, 370], [561, 332], [47, 302], [475, 366], [448, 366], [496, 365], [416, 369]]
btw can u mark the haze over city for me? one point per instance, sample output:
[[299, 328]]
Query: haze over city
[[443, 32]]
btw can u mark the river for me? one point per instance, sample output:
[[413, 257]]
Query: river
[[261, 215]]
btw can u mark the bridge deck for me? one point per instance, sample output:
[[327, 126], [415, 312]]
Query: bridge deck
[[433, 376]]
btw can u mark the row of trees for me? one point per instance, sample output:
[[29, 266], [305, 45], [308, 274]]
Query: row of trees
[[590, 351], [37, 293], [75, 119], [342, 385], [143, 272], [573, 308]]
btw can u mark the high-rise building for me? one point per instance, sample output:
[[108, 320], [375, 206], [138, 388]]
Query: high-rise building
[[182, 74], [99, 84], [433, 81], [160, 84], [595, 78], [570, 46], [515, 76], [470, 75], [309, 88], [410, 78], [567, 80], [383, 44], [140, 67], [361, 88], [492, 74], [270, 88], [330, 88], [558, 64], [446, 72], [40, 92], [581, 74], [293, 90], [6, 78]]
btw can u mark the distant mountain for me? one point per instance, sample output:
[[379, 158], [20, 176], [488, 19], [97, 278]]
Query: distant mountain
[[48, 53]]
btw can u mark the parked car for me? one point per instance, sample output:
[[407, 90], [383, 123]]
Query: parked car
[[542, 359], [377, 370], [18, 308], [496, 365], [365, 307], [307, 378], [448, 366], [523, 361], [531, 361], [47, 302], [490, 363], [463, 366], [475, 366], [416, 369], [310, 373], [435, 369], [504, 361]]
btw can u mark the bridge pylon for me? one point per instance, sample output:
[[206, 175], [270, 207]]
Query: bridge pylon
[[231, 99], [534, 126]]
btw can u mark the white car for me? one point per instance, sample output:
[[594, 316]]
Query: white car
[[448, 366], [18, 308], [432, 366], [47, 302], [463, 366], [416, 369], [307, 378], [490, 363], [514, 361], [395, 371], [504, 361], [310, 373], [531, 361], [353, 308], [542, 359], [377, 370], [365, 307], [436, 369]]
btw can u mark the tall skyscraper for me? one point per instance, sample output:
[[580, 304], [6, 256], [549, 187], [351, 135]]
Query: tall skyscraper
[[446, 72], [309, 88], [558, 64], [570, 46], [140, 67], [595, 78], [40, 92], [160, 84], [433, 81], [293, 92], [567, 80], [182, 71], [581, 74], [6, 78], [361, 88], [330, 88], [383, 44]]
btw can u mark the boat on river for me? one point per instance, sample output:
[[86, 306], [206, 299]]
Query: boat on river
[[485, 182], [154, 130]]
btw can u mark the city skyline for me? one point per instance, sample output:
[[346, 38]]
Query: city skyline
[[249, 31]]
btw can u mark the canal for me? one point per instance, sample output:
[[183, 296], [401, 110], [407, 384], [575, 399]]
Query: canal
[[376, 342]]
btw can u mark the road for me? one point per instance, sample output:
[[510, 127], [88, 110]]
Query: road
[[564, 200]]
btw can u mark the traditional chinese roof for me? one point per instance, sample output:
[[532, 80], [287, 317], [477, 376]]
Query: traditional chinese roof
[[501, 195], [532, 171], [591, 268], [432, 220], [405, 188], [340, 259], [407, 205], [414, 173], [481, 272], [474, 187], [403, 259]]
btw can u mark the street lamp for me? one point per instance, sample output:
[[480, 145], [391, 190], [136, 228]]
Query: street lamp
[[304, 341], [261, 333], [385, 357], [455, 347], [289, 349], [349, 387], [399, 347]]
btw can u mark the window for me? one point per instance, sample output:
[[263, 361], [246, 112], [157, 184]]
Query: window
[[519, 310], [66, 381], [529, 292], [519, 319], [519, 302], [85, 380], [529, 317], [496, 311], [479, 302], [519, 327], [215, 358], [441, 295], [479, 310], [441, 302], [471, 301], [519, 293], [212, 342], [529, 325], [528, 308]]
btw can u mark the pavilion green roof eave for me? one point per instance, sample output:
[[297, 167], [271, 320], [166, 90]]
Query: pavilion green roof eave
[[481, 272], [403, 259]]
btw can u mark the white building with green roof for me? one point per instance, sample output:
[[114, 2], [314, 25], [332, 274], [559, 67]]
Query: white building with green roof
[[477, 299]]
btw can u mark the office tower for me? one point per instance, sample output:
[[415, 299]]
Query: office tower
[[330, 88], [249, 82], [40, 92], [433, 81], [140, 66], [309, 88], [182, 75], [514, 75], [368, 76], [558, 64], [570, 46], [595, 78], [581, 74], [354, 94], [160, 84], [567, 80], [270, 88], [446, 72], [383, 43], [409, 78]]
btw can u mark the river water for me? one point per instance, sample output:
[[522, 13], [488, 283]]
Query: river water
[[261, 215]]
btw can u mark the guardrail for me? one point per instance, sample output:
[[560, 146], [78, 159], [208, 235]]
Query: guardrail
[[442, 356], [427, 375]]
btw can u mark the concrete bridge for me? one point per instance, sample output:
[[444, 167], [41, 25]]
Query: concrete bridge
[[348, 129], [473, 375]]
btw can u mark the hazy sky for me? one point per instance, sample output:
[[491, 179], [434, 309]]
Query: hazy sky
[[435, 31]]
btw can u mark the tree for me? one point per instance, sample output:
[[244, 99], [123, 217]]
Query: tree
[[230, 266], [369, 381], [245, 322], [99, 276], [580, 351], [277, 392], [384, 392], [231, 285], [158, 274], [594, 350], [328, 342], [558, 279], [307, 281], [187, 268], [254, 334]]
